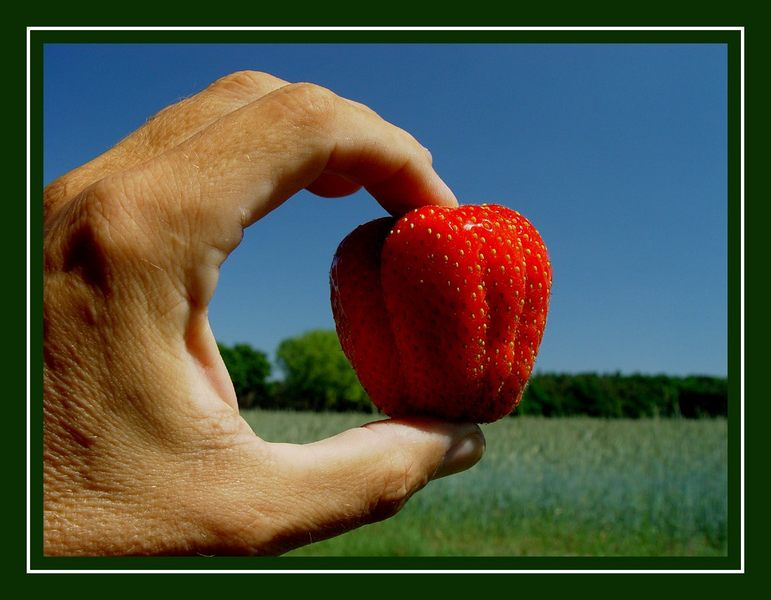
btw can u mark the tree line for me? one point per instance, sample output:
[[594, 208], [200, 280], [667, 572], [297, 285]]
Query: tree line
[[316, 376]]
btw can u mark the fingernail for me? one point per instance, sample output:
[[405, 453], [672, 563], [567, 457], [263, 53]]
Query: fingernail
[[463, 455]]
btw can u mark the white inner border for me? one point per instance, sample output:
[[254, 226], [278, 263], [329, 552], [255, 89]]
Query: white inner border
[[438, 571]]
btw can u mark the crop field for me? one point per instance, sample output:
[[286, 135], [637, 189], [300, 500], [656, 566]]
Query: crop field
[[550, 487]]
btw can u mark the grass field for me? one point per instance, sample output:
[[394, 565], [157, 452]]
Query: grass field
[[551, 487]]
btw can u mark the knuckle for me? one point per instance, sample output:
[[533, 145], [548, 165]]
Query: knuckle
[[101, 204], [306, 104], [55, 192], [365, 109], [412, 142], [98, 215], [242, 82], [92, 233], [78, 244], [398, 484]]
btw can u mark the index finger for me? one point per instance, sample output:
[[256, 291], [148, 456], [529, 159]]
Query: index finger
[[250, 161]]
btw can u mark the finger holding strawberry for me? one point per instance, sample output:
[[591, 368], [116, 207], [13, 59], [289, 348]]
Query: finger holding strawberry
[[144, 449]]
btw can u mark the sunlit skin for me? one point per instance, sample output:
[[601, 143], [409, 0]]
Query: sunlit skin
[[144, 449]]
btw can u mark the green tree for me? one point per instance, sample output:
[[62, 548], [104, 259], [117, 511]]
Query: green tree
[[318, 376], [249, 369], [631, 396]]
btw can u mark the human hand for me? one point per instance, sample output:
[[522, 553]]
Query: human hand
[[144, 449]]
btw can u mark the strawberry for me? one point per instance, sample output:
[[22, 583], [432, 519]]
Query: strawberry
[[441, 312]]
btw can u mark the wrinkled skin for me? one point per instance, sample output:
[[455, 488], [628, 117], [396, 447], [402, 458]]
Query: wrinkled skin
[[144, 449]]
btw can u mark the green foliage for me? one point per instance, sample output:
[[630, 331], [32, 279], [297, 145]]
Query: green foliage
[[631, 396], [249, 369], [317, 375], [573, 486]]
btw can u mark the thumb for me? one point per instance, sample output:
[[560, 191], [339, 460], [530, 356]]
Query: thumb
[[366, 474]]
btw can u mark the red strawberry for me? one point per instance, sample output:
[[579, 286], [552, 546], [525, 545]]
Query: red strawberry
[[441, 312]]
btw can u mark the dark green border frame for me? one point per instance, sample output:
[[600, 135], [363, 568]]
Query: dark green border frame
[[732, 562]]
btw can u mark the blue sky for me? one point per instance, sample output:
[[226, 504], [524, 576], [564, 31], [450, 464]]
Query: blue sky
[[616, 153]]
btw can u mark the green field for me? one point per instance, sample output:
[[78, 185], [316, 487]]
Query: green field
[[551, 487]]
